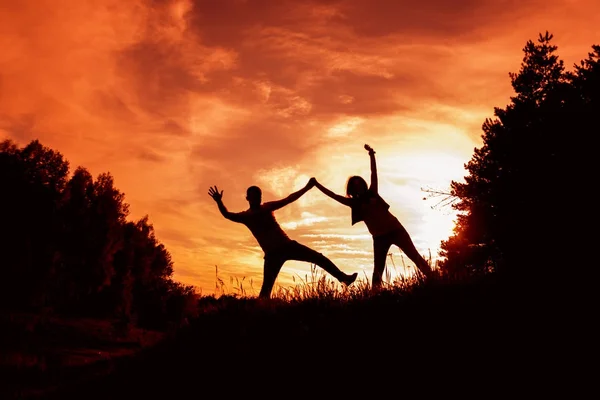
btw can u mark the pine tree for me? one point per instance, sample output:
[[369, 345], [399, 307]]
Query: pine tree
[[506, 201]]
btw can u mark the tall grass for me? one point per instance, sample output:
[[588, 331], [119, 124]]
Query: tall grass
[[318, 285]]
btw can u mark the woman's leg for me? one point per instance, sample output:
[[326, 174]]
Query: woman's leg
[[402, 239], [381, 246]]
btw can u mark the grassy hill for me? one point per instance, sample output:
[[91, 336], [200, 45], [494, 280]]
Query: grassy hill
[[486, 336]]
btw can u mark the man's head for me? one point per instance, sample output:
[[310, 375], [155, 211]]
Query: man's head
[[254, 196]]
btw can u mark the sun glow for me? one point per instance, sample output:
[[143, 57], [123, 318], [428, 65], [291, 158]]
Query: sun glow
[[171, 103]]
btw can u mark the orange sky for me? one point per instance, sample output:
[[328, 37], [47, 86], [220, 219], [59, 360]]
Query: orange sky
[[172, 97]]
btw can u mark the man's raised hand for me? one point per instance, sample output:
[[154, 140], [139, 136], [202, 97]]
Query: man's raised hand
[[214, 193], [312, 182]]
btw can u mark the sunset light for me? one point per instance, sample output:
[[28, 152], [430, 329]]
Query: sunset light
[[173, 97], [296, 198]]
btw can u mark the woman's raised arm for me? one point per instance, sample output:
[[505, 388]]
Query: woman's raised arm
[[374, 184]]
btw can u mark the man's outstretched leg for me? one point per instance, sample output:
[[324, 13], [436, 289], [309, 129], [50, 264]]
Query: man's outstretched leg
[[301, 252], [271, 269]]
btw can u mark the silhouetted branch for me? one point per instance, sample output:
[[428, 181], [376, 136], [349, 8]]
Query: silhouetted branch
[[447, 198]]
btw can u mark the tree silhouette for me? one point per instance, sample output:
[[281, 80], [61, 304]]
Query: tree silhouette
[[32, 180], [67, 247], [516, 204]]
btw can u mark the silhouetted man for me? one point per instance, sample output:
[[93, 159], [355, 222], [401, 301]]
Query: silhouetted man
[[276, 244]]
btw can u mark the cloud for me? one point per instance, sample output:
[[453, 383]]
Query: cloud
[[173, 96]]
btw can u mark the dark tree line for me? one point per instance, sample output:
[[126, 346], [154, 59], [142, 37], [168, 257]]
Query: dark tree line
[[524, 200], [67, 247]]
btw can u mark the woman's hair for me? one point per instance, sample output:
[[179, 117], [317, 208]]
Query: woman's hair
[[350, 192]]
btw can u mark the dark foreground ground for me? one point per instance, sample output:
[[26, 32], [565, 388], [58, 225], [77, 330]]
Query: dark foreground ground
[[489, 340]]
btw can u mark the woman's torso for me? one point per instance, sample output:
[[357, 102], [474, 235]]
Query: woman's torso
[[377, 217]]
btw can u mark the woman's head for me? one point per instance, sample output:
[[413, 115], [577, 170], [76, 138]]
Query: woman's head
[[356, 186]]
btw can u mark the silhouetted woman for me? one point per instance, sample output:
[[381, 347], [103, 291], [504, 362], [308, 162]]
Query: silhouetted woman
[[367, 205]]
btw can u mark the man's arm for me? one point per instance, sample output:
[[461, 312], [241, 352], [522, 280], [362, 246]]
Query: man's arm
[[277, 204], [218, 198], [341, 199], [374, 184], [235, 217]]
